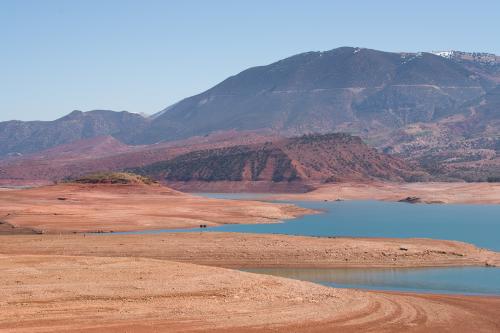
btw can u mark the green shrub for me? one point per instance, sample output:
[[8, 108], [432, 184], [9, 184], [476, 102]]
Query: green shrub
[[112, 178]]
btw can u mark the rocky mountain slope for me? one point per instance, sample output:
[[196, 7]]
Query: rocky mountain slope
[[364, 91], [307, 159], [105, 153], [436, 109], [416, 106], [22, 137], [465, 145], [487, 64]]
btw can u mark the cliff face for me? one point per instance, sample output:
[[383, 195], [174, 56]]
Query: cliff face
[[238, 163], [311, 158]]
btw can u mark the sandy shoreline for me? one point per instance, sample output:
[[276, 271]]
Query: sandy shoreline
[[104, 294], [92, 208], [459, 193], [180, 282], [258, 250], [70, 208], [155, 283]]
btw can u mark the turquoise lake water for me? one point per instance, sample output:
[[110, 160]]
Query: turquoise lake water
[[476, 224]]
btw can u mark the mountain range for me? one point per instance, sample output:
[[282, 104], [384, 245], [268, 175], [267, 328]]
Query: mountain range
[[22, 137], [439, 110], [359, 90]]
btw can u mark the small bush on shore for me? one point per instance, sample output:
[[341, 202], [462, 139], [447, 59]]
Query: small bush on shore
[[112, 178]]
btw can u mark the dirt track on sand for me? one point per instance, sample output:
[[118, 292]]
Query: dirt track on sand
[[130, 283], [253, 250], [98, 294]]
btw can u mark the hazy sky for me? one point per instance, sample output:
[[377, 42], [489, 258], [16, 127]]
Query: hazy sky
[[141, 56]]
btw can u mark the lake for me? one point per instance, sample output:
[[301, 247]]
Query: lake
[[476, 224], [450, 280]]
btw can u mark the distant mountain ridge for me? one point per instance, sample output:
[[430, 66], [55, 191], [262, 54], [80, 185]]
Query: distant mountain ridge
[[418, 106], [359, 90], [23, 137]]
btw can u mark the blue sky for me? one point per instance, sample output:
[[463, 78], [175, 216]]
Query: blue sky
[[141, 56]]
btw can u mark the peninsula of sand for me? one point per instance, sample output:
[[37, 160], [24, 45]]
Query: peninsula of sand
[[75, 207], [431, 192]]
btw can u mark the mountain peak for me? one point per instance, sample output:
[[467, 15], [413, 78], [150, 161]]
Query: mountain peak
[[325, 92], [73, 114], [480, 57], [32, 136]]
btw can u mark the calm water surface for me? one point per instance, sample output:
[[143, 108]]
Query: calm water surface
[[476, 224], [453, 280]]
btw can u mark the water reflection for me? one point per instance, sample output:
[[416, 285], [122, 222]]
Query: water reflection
[[458, 280]]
